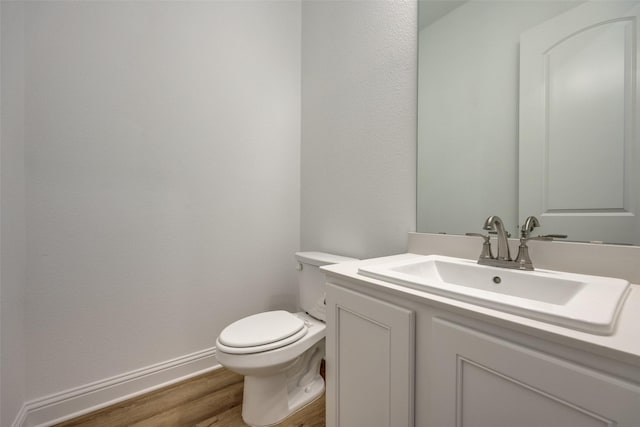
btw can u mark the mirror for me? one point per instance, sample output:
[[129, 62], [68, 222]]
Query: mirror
[[528, 108]]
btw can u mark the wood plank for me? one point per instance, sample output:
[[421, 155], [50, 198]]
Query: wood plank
[[312, 415], [197, 410], [149, 404], [229, 418], [213, 399]]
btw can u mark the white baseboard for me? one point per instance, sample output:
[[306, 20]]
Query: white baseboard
[[58, 407], [21, 417]]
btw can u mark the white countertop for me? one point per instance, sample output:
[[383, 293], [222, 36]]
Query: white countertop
[[623, 345]]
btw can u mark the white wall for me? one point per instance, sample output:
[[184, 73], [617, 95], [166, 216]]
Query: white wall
[[12, 202], [162, 170], [162, 159], [358, 126]]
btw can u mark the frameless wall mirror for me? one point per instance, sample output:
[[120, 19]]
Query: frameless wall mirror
[[529, 108]]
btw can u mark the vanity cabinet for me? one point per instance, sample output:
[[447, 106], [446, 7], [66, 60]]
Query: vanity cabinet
[[370, 361], [466, 372], [481, 380]]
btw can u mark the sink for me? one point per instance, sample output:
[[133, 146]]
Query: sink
[[577, 301]]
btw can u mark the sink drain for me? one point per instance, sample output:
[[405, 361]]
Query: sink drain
[[496, 280]]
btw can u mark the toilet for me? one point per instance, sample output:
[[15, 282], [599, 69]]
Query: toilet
[[278, 352]]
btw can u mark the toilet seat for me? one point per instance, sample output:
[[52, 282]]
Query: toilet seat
[[261, 332]]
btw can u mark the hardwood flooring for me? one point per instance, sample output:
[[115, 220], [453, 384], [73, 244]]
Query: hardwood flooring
[[213, 399]]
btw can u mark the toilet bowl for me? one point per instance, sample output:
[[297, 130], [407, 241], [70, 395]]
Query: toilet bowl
[[281, 380], [279, 352]]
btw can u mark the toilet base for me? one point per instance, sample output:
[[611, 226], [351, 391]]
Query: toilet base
[[269, 400], [270, 408]]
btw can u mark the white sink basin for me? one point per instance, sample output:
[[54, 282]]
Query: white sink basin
[[577, 301]]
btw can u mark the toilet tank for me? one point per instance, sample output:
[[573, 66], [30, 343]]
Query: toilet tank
[[311, 280]]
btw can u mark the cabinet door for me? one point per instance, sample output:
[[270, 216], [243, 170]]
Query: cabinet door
[[370, 361], [480, 380]]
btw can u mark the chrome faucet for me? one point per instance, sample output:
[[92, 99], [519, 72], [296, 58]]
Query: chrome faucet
[[495, 223], [503, 256]]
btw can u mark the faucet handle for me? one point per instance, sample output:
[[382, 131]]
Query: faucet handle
[[486, 245], [555, 236], [484, 236], [495, 233], [548, 237], [523, 259]]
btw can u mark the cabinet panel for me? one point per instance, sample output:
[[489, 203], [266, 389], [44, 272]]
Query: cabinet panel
[[488, 398], [480, 380], [370, 361]]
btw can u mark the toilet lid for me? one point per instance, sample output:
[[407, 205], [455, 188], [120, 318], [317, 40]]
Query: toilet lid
[[261, 329]]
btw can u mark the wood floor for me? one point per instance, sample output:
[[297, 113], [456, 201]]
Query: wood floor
[[213, 399]]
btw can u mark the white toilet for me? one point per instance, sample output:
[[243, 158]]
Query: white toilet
[[278, 352]]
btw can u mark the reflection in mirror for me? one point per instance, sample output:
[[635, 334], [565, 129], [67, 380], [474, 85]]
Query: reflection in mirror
[[494, 75]]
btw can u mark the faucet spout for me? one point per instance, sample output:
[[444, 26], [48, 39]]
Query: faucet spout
[[494, 223]]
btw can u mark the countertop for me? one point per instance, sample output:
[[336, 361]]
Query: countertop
[[623, 345]]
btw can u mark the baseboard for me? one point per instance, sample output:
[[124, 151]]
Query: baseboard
[[21, 417], [58, 407]]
